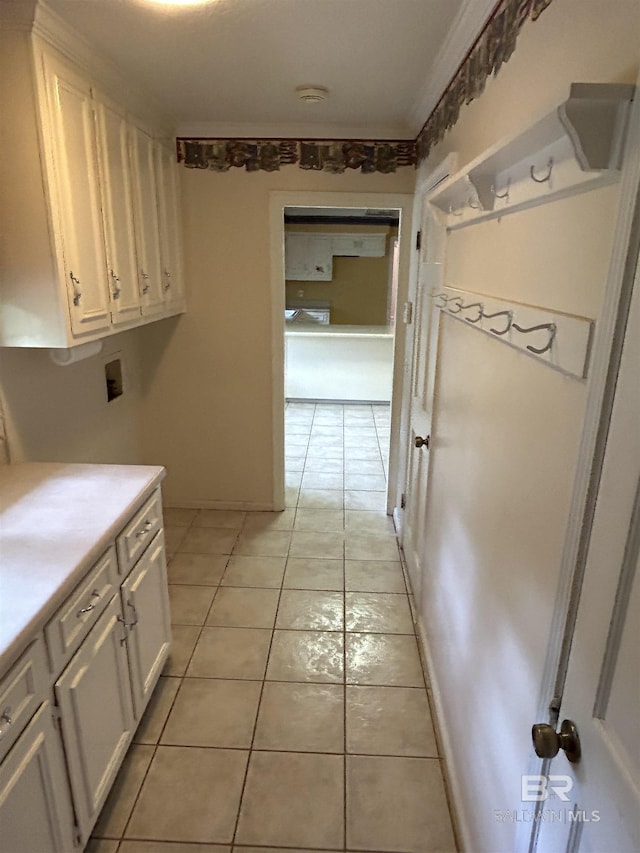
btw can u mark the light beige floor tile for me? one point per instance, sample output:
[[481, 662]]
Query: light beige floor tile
[[365, 500], [365, 482], [329, 466], [389, 721], [208, 540], [294, 463], [190, 604], [183, 642], [322, 480], [157, 711], [102, 845], [397, 804], [174, 537], [293, 427], [311, 610], [291, 494], [205, 569], [293, 479], [244, 607], [314, 573], [190, 794], [294, 439], [378, 612], [178, 516], [263, 544], [373, 576], [293, 799], [371, 467], [243, 849], [323, 451], [320, 520], [232, 519], [326, 545], [230, 653], [306, 656], [321, 498], [383, 659], [213, 712], [115, 813], [366, 546], [265, 521], [254, 571], [301, 718], [363, 521], [171, 847]]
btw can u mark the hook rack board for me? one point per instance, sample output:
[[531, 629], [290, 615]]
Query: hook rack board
[[562, 341], [575, 148]]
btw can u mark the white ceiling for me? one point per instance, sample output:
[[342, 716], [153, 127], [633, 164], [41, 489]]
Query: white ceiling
[[234, 64]]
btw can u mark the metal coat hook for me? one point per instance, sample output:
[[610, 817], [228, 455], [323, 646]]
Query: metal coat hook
[[459, 306], [547, 177], [507, 314], [505, 194], [444, 298], [477, 305], [551, 327]]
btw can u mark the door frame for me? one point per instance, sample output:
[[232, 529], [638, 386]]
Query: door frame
[[277, 202]]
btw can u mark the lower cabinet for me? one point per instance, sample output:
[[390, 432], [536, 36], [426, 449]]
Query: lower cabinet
[[35, 807]]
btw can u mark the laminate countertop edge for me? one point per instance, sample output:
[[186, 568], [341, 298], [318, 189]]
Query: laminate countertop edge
[[56, 521]]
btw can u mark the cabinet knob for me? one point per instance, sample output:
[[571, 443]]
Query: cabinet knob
[[116, 290], [89, 607], [75, 283], [8, 720]]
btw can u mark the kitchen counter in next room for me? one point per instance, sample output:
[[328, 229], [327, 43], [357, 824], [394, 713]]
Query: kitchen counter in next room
[[334, 362]]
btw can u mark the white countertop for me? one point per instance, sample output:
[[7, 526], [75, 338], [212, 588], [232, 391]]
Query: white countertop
[[338, 331], [56, 519]]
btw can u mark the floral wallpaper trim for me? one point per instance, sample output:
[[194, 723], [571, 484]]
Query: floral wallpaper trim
[[268, 155], [493, 47]]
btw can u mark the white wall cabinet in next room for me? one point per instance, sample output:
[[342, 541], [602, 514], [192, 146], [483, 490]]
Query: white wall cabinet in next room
[[91, 228]]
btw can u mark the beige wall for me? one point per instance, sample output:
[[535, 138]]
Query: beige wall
[[507, 428], [206, 384], [61, 414], [359, 289]]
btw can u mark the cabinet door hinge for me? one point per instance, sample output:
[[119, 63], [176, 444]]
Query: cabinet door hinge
[[403, 501], [418, 240], [407, 313], [55, 714]]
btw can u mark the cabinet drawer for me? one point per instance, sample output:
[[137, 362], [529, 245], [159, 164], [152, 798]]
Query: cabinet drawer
[[139, 532], [73, 621], [21, 691]]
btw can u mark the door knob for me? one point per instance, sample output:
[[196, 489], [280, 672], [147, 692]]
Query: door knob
[[422, 442], [547, 742]]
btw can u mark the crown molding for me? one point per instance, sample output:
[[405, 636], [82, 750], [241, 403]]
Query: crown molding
[[300, 130], [466, 27]]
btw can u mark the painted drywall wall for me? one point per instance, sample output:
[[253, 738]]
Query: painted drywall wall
[[506, 429], [358, 292], [61, 414], [206, 379]]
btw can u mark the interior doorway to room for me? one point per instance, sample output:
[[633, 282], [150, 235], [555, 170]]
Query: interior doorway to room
[[342, 272]]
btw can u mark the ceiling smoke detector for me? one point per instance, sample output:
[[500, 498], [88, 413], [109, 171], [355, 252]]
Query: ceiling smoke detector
[[312, 94]]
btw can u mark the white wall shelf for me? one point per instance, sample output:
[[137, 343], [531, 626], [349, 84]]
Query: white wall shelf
[[562, 341], [573, 149]]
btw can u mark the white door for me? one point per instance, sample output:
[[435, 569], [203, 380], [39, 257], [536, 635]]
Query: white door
[[117, 208], [146, 222], [96, 733], [602, 688], [422, 355], [35, 808], [78, 197], [170, 226], [145, 604]]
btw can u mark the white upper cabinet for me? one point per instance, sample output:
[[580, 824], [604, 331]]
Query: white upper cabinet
[[308, 257], [117, 207], [76, 197], [147, 224], [170, 228]]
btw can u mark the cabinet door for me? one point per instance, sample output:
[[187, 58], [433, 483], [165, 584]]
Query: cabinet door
[[35, 806], [146, 222], [170, 228], [145, 604], [94, 697], [319, 258], [76, 197], [117, 210]]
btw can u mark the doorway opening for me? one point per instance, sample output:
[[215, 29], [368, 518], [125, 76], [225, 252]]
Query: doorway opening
[[338, 273]]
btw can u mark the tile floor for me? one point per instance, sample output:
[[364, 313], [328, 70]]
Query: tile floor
[[292, 714]]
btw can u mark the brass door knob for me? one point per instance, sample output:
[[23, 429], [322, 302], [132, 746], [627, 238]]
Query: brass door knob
[[422, 442], [547, 742]]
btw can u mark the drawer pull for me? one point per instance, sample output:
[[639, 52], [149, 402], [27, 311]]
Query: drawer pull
[[144, 530], [92, 606], [6, 716]]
